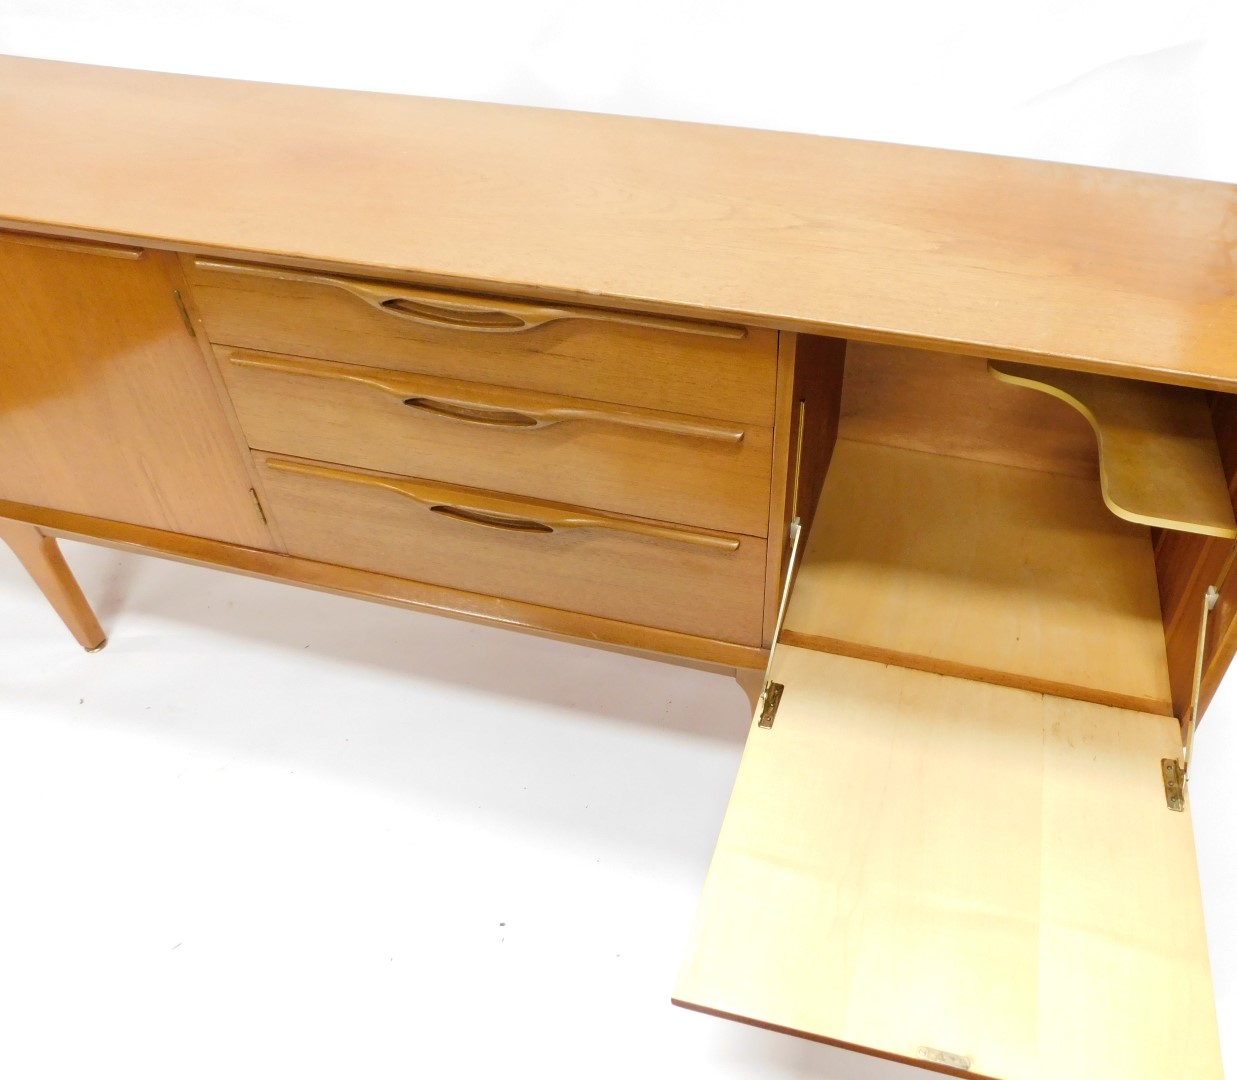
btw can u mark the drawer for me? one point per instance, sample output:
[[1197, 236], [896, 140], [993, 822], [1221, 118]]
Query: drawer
[[666, 576], [677, 365], [711, 473]]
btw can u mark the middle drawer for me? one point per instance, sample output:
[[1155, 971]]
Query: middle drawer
[[708, 473]]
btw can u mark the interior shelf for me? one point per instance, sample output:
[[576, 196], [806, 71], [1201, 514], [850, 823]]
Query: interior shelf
[[1159, 462], [981, 570]]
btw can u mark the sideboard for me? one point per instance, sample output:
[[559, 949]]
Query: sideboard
[[935, 452]]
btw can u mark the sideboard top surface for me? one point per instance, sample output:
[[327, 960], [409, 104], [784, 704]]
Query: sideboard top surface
[[1091, 268]]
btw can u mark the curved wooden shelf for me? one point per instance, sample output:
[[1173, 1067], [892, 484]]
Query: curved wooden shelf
[[1159, 460]]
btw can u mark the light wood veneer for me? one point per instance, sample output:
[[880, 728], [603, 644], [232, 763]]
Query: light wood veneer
[[691, 470], [108, 409], [669, 577], [854, 239], [670, 370], [996, 573], [40, 555], [1021, 901], [582, 375]]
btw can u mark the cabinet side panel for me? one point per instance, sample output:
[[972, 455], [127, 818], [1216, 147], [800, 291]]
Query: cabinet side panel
[[106, 406], [1187, 565], [809, 384]]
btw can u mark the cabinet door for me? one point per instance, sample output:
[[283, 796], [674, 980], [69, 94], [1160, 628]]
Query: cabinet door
[[973, 878], [107, 407]]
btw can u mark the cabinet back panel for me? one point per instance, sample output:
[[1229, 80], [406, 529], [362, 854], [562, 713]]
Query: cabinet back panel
[[968, 568], [947, 404]]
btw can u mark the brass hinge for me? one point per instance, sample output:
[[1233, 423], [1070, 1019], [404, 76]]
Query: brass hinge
[[769, 698], [1174, 784], [184, 313], [1177, 773], [258, 503]]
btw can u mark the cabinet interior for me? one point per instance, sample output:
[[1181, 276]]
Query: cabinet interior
[[962, 528], [950, 841]]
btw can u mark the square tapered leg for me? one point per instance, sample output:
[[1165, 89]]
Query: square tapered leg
[[42, 558]]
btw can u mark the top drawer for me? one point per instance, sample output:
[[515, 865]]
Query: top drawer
[[677, 365]]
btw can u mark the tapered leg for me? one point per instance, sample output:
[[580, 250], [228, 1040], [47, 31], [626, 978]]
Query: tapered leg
[[41, 557], [753, 682]]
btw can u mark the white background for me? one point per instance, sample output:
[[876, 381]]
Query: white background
[[270, 833]]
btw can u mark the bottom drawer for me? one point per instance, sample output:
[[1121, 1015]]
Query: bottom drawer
[[666, 576]]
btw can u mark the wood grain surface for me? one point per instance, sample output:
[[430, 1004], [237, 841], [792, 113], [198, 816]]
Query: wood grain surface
[[1159, 460], [929, 868], [44, 562], [671, 578], [946, 404], [710, 473], [729, 378], [1187, 564], [809, 395], [108, 406], [1002, 574], [1089, 268], [711, 654]]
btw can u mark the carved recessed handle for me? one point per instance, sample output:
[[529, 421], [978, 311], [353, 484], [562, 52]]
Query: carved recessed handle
[[491, 520], [496, 407], [472, 507], [451, 315], [459, 311], [473, 414]]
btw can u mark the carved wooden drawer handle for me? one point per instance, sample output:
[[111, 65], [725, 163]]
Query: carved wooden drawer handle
[[474, 507], [457, 311], [458, 401], [491, 520], [485, 415]]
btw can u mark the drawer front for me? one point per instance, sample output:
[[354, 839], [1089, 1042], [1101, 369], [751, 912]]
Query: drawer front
[[695, 582], [697, 368], [711, 473]]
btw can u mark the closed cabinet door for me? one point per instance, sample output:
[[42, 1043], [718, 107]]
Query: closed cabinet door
[[107, 407]]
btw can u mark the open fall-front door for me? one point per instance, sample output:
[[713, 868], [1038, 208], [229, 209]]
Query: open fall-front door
[[970, 877]]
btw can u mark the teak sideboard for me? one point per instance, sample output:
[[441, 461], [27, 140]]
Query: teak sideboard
[[934, 451]]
